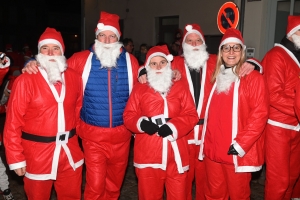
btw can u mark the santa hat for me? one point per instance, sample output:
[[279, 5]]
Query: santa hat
[[162, 51], [293, 25], [108, 22], [232, 35], [51, 36], [193, 28]]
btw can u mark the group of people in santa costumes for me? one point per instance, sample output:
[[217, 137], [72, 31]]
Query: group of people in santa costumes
[[109, 72]]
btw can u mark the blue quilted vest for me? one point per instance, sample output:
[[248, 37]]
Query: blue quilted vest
[[106, 94]]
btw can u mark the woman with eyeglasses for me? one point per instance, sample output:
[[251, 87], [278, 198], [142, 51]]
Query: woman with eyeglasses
[[235, 118]]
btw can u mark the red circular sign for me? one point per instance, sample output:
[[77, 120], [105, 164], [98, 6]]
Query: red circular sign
[[228, 16]]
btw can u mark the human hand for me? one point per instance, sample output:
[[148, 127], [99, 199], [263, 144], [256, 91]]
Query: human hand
[[20, 171], [31, 67], [176, 75], [143, 79], [232, 151], [149, 127], [246, 69], [164, 131]]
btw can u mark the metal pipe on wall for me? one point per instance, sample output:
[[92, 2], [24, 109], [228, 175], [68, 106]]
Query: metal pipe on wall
[[242, 16]]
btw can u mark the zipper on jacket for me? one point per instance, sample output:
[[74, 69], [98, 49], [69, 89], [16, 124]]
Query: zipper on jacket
[[109, 98]]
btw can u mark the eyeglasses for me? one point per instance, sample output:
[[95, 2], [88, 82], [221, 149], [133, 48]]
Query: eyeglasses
[[162, 63], [235, 48]]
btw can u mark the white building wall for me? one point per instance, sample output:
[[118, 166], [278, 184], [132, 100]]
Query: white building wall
[[139, 21]]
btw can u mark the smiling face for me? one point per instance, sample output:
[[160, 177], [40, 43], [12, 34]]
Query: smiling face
[[231, 54]]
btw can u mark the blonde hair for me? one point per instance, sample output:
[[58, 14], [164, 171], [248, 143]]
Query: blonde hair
[[220, 62]]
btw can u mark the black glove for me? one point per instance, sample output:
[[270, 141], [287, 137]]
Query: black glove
[[149, 127], [143, 72], [164, 131], [232, 151]]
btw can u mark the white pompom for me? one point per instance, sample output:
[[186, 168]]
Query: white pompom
[[170, 57], [100, 26], [189, 27]]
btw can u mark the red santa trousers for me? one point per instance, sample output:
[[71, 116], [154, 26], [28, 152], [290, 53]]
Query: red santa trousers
[[67, 184], [106, 153], [151, 182], [282, 162], [223, 182], [197, 173]]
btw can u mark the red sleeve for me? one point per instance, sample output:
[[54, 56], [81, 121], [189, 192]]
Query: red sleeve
[[16, 109], [135, 68], [275, 64], [77, 61]]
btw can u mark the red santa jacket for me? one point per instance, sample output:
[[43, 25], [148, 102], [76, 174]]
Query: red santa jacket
[[194, 137], [249, 117], [33, 108], [282, 71], [81, 63], [152, 151]]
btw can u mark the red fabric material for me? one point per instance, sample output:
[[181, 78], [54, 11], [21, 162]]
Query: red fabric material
[[109, 19], [282, 77], [231, 35], [224, 182], [193, 28], [293, 22], [145, 102], [106, 153], [51, 33], [178, 63], [282, 162], [41, 189], [253, 102], [35, 112], [280, 69], [118, 136], [196, 172], [158, 51], [197, 169], [218, 136], [151, 182]]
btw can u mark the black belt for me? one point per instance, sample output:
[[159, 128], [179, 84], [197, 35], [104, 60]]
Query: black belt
[[45, 139], [200, 122]]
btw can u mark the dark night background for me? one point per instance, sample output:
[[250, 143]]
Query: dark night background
[[22, 22]]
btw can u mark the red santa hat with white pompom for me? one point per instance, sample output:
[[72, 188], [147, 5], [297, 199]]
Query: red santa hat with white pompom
[[293, 25], [193, 28], [162, 51], [108, 22]]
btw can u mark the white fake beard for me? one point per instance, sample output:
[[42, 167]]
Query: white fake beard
[[53, 68], [225, 79], [107, 53], [195, 59], [160, 82], [296, 40]]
